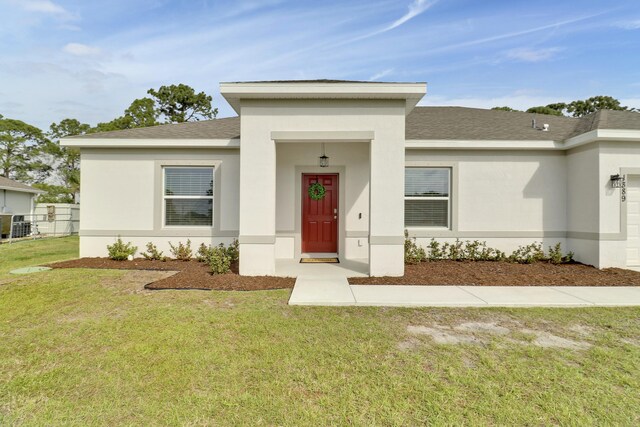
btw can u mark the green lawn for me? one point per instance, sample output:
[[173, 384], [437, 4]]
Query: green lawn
[[26, 253], [86, 347]]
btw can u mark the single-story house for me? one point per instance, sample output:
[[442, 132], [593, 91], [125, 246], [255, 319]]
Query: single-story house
[[16, 198], [344, 167]]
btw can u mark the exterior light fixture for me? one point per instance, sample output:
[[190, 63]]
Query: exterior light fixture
[[324, 160], [616, 181]]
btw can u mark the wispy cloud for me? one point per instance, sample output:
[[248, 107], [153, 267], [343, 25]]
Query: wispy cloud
[[43, 6], [80, 49], [513, 34], [380, 75], [629, 25], [416, 8], [528, 54]]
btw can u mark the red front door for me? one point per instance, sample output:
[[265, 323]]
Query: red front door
[[320, 217]]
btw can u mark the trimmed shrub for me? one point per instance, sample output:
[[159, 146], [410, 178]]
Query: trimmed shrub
[[556, 256], [435, 253], [204, 253], [413, 254], [233, 251], [220, 261], [453, 251], [121, 251], [153, 254], [182, 252], [528, 254]]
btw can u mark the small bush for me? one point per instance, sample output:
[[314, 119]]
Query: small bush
[[181, 252], [121, 251], [153, 253], [528, 254], [556, 256], [233, 251], [413, 254], [204, 253], [220, 261], [435, 253], [453, 251], [569, 257]]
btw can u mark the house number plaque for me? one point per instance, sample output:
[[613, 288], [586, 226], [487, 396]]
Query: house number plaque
[[623, 189]]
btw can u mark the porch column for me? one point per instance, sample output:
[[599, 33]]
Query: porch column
[[257, 204], [386, 228]]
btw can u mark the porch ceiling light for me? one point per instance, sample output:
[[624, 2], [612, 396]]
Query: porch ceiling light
[[616, 181], [324, 160]]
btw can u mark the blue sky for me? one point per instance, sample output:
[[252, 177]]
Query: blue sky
[[90, 59]]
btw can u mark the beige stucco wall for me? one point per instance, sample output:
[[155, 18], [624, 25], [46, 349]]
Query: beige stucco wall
[[615, 158], [506, 198], [596, 215], [384, 118], [350, 160], [121, 195]]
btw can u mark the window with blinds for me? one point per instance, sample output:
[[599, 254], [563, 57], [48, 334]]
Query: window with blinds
[[188, 196], [427, 200]]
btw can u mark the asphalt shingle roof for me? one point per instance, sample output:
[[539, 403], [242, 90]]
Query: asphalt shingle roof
[[9, 184], [226, 128], [449, 123], [461, 123]]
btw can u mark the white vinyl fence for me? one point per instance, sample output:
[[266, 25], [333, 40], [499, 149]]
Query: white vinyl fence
[[47, 220]]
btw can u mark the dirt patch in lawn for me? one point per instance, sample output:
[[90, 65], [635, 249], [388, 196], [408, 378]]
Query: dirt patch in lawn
[[486, 273], [190, 275], [482, 333]]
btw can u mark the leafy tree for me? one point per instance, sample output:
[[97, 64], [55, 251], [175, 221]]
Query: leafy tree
[[544, 110], [593, 104], [66, 162], [141, 113], [505, 108], [578, 108], [119, 123], [54, 194], [21, 145], [180, 103], [558, 106]]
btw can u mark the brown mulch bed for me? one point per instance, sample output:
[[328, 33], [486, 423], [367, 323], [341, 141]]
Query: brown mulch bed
[[487, 273], [191, 275], [196, 275]]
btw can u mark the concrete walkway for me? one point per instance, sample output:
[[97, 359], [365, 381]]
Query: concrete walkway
[[336, 291]]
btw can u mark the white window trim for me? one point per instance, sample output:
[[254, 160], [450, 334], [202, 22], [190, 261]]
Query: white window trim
[[449, 170], [165, 197]]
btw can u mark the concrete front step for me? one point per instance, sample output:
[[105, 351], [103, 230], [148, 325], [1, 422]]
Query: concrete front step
[[322, 290]]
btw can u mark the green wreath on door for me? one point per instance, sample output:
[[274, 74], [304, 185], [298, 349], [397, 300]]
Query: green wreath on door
[[316, 191]]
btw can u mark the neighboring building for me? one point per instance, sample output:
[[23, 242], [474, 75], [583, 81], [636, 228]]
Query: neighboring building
[[443, 172], [16, 198]]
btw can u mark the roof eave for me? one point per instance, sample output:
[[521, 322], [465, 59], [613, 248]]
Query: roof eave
[[411, 93], [150, 143], [22, 190]]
